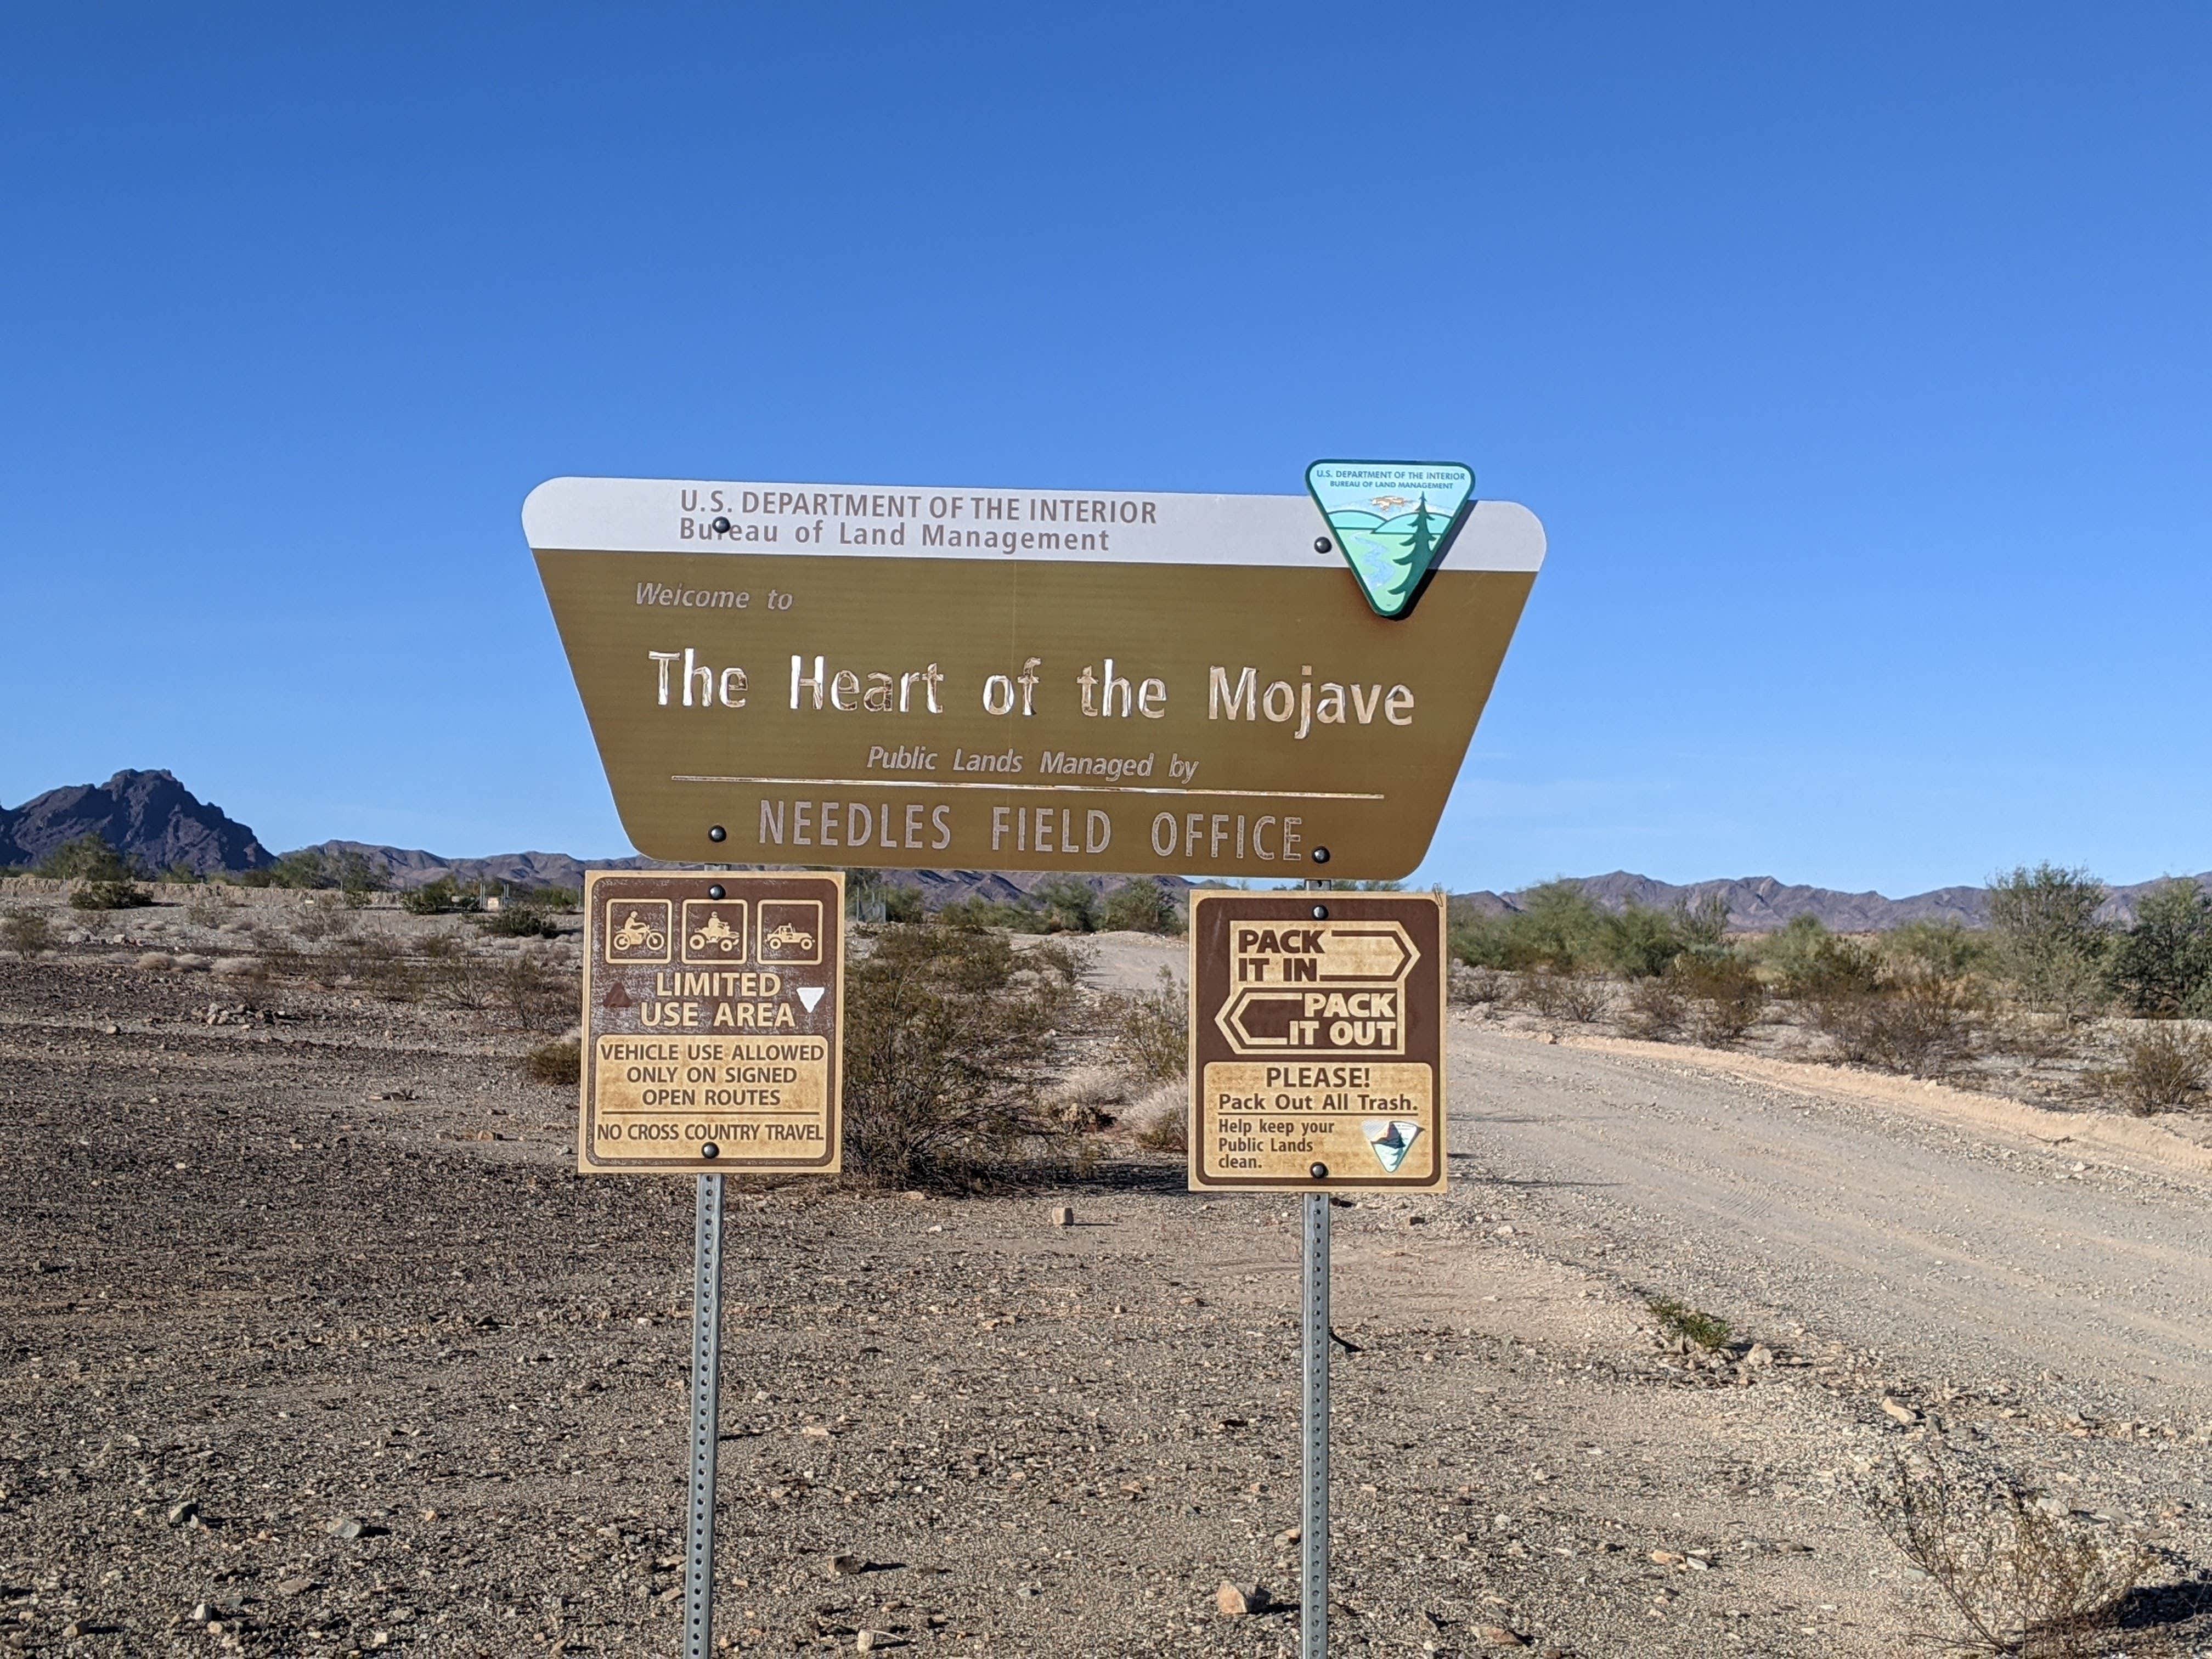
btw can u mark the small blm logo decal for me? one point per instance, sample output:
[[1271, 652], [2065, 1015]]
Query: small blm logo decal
[[1391, 1139]]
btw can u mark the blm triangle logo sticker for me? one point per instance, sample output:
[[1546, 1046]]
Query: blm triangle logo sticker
[[810, 995], [1395, 520], [1391, 1140]]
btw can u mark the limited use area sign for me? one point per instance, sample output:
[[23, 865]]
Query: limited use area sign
[[1316, 1041], [1258, 686], [711, 1006]]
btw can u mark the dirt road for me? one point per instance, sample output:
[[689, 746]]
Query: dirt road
[[312, 1345], [1917, 1222]]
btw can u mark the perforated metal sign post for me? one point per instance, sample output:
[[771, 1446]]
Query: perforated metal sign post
[[711, 1004], [1317, 1062]]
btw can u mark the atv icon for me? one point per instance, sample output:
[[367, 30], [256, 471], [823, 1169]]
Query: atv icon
[[716, 934]]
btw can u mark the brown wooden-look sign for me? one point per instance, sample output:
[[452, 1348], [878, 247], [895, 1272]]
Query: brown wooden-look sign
[[711, 1004], [1018, 679], [1316, 1041]]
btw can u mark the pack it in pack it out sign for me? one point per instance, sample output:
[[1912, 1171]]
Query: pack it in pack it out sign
[[1316, 1041], [1017, 679], [711, 1011]]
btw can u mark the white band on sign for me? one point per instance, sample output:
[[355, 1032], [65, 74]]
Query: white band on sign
[[654, 515]]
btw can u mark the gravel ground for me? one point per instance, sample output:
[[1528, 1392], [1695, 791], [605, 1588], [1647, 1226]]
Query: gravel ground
[[312, 1345]]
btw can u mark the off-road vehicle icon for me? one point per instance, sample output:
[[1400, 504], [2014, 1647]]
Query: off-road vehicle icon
[[634, 935], [787, 938], [716, 934]]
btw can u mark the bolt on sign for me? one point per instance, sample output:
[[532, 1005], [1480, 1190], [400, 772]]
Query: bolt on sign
[[1018, 679], [711, 1011], [1316, 1041]]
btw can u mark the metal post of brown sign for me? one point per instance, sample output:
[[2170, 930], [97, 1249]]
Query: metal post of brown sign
[[1313, 1510], [706, 1419], [712, 1003]]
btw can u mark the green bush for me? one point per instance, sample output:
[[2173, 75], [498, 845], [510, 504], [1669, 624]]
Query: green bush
[[441, 897], [88, 858], [1944, 948], [902, 902], [26, 932], [2047, 938], [1708, 1331], [519, 918], [110, 895], [1070, 905], [949, 1035], [1140, 905], [2162, 965]]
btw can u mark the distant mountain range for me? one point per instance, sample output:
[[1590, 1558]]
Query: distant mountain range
[[158, 824]]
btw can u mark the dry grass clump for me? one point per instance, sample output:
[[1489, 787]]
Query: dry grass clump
[[555, 1063], [2166, 1068], [1163, 1119], [1709, 1331], [2018, 1572]]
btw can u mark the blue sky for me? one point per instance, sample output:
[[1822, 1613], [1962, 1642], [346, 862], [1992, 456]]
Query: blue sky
[[1856, 359]]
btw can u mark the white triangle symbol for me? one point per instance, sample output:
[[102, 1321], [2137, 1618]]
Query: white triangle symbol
[[1391, 1140], [808, 994]]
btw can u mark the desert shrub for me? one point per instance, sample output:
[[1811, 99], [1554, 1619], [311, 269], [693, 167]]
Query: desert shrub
[[1910, 1020], [555, 1063], [1068, 904], [977, 912], [949, 1034], [2165, 1066], [1657, 1009], [1708, 1331], [206, 908], [315, 921], [441, 897], [523, 917], [1943, 947], [1639, 942], [89, 857], [1477, 987], [2047, 940], [452, 974], [902, 902], [2018, 1572], [1167, 1132], [307, 868], [380, 964], [1811, 965], [110, 895], [1563, 995], [26, 932], [1141, 905], [1723, 993], [1149, 1031], [532, 992], [2162, 965]]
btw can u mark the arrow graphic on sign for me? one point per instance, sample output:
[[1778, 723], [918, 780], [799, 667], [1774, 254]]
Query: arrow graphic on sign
[[808, 994]]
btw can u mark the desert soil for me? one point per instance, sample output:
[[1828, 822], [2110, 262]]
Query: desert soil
[[310, 1344]]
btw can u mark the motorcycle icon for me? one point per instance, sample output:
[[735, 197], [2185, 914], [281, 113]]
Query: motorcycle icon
[[787, 938], [716, 934], [635, 935]]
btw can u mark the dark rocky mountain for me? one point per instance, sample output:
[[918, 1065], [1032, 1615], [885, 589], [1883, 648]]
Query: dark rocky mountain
[[150, 817], [1760, 904]]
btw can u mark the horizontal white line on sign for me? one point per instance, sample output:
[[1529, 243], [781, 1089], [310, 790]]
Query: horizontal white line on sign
[[896, 522], [1029, 788]]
